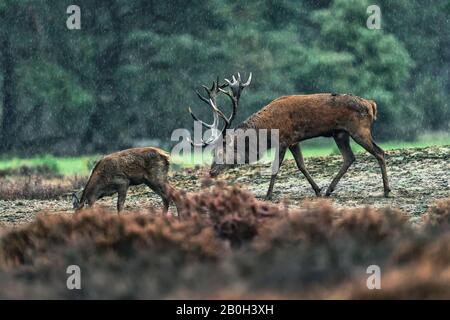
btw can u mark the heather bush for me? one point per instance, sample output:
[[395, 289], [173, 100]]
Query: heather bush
[[45, 170], [439, 213], [97, 231], [318, 222], [227, 244], [234, 212], [36, 187], [418, 269]]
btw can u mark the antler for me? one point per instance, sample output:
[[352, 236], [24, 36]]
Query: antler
[[236, 89], [237, 86], [211, 101]]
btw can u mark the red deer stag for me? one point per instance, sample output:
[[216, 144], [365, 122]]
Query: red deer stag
[[298, 118], [116, 172]]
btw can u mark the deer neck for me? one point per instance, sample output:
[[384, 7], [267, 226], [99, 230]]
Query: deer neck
[[249, 139]]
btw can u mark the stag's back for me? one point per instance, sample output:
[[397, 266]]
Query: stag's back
[[301, 117]]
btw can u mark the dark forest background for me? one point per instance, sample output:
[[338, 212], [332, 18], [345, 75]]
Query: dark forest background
[[129, 74]]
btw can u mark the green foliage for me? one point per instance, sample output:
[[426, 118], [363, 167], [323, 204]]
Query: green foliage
[[52, 86], [69, 166], [129, 73], [380, 65]]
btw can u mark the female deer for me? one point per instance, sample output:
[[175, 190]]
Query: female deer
[[118, 171]]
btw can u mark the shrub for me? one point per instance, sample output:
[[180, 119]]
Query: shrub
[[41, 170], [97, 231], [439, 213], [234, 212], [35, 187], [315, 251]]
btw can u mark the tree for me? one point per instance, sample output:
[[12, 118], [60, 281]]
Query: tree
[[380, 65], [131, 71], [9, 87], [424, 33]]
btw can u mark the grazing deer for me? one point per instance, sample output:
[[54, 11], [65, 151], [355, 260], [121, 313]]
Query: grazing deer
[[298, 118], [116, 172]]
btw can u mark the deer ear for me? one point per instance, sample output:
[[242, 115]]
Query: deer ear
[[75, 201]]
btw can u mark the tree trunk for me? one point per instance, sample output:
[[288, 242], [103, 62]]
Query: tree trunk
[[108, 100], [9, 118]]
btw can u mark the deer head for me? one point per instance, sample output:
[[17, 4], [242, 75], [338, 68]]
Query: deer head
[[76, 200], [222, 158]]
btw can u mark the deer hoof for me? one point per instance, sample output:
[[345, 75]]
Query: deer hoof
[[318, 192]]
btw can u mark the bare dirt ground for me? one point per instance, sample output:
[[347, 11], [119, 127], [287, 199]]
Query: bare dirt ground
[[418, 177]]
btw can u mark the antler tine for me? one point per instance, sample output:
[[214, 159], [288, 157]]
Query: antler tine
[[211, 94], [207, 101], [201, 97], [234, 102], [236, 89], [238, 80], [220, 113], [226, 92], [210, 126], [248, 80], [230, 95], [221, 86], [214, 88], [208, 91], [214, 137]]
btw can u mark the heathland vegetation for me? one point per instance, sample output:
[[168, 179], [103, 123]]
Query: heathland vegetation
[[230, 245]]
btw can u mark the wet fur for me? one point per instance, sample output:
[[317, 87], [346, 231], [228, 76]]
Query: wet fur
[[302, 117], [116, 172]]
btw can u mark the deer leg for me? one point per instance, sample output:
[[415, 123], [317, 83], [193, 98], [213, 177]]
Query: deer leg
[[342, 140], [161, 191], [382, 162], [91, 201], [276, 164], [165, 198], [122, 195], [364, 139], [297, 153], [170, 194]]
